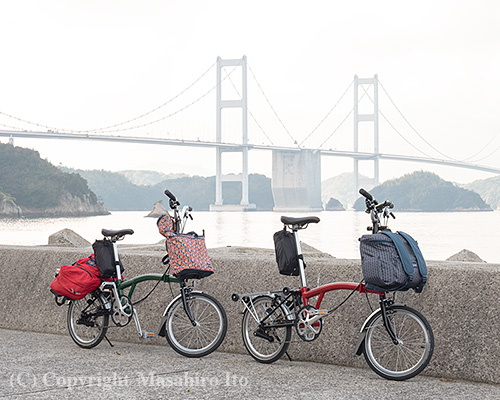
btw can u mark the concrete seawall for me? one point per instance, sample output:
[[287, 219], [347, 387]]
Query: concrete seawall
[[459, 301]]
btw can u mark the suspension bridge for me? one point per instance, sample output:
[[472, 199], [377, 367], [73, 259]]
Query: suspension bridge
[[296, 175]]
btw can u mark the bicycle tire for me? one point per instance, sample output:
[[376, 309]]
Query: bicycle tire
[[88, 320], [406, 359], [265, 350], [206, 336]]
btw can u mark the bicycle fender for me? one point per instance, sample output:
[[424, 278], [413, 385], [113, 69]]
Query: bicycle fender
[[363, 328], [358, 350], [164, 316], [359, 345]]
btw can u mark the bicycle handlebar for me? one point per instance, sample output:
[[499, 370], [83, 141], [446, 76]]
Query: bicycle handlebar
[[180, 216], [386, 203], [375, 208], [364, 193], [169, 194], [173, 203]]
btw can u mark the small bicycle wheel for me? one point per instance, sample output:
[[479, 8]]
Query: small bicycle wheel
[[208, 332], [407, 358], [265, 342], [88, 320]]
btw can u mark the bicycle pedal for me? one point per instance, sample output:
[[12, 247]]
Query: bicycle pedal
[[318, 312], [148, 335]]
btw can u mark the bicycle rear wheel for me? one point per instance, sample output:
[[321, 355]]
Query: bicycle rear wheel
[[265, 342], [88, 320], [407, 358], [208, 332]]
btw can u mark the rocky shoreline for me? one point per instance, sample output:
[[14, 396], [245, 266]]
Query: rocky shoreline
[[69, 206]]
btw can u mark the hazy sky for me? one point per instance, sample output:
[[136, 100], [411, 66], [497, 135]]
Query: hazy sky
[[89, 64]]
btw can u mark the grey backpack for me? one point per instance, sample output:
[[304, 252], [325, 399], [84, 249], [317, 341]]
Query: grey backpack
[[392, 261]]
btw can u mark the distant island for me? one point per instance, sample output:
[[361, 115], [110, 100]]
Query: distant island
[[425, 191], [32, 187], [420, 191], [196, 191], [334, 205], [488, 189]]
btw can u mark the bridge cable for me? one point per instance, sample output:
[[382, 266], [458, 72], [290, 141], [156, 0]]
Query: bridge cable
[[411, 126], [270, 105], [484, 147], [160, 106], [493, 152], [28, 122], [111, 126], [451, 158], [338, 127], [249, 111], [329, 112], [10, 127], [393, 127], [175, 112]]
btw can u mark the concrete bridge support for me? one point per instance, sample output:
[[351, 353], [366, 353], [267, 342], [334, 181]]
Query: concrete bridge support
[[243, 176], [371, 118], [296, 180]]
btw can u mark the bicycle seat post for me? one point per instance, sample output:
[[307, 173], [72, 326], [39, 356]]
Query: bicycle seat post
[[117, 260], [301, 260]]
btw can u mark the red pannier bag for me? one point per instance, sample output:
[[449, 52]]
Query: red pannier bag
[[187, 252], [77, 280]]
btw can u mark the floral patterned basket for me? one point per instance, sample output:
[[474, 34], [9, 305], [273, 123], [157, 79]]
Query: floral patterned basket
[[187, 252]]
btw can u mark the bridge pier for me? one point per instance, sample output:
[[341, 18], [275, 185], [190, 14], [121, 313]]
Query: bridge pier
[[373, 118], [296, 180], [243, 176]]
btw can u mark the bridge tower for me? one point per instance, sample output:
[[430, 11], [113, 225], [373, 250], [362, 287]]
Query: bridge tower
[[373, 118], [243, 149]]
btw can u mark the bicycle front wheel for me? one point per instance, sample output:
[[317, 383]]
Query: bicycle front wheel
[[414, 349], [263, 338], [88, 320], [208, 332]]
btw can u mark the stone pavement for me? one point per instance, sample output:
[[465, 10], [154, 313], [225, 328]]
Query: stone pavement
[[48, 366]]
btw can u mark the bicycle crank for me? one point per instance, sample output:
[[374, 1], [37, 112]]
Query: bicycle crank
[[308, 325], [122, 313]]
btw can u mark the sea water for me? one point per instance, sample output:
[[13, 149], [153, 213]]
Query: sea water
[[440, 235]]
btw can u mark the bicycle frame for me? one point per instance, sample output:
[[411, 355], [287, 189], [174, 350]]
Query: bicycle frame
[[269, 317], [283, 297], [322, 290], [132, 283], [117, 285]]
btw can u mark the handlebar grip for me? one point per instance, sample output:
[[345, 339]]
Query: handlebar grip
[[386, 203], [364, 193], [169, 194]]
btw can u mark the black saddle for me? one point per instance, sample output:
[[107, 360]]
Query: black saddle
[[118, 233], [299, 223]]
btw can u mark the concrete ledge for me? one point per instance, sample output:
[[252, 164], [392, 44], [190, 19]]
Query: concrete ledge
[[460, 303]]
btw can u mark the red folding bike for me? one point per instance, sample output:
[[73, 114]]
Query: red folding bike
[[396, 340]]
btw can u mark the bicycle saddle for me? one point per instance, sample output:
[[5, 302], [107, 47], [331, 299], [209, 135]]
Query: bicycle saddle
[[299, 222], [119, 233]]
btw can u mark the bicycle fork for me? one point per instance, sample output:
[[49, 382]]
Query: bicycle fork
[[384, 304], [185, 304], [185, 292]]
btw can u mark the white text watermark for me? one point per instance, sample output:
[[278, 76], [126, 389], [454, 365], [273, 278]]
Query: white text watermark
[[28, 380]]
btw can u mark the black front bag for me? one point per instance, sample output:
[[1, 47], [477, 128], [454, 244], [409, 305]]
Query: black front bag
[[105, 259], [286, 253]]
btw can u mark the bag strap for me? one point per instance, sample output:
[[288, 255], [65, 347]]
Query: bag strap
[[402, 252], [422, 267]]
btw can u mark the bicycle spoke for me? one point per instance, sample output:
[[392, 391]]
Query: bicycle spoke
[[406, 358]]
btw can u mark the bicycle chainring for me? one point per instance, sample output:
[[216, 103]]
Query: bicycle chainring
[[305, 330], [119, 317]]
